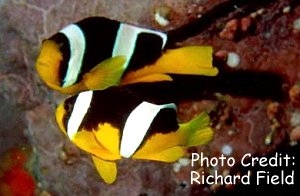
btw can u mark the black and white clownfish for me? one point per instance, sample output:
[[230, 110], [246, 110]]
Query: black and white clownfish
[[97, 52], [109, 129]]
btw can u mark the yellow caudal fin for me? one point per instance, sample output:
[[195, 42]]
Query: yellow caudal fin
[[197, 131], [105, 74], [188, 60], [171, 146], [106, 169], [194, 60]]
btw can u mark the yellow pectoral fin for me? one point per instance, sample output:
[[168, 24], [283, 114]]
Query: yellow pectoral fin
[[87, 141], [106, 169], [189, 60], [105, 74], [109, 137]]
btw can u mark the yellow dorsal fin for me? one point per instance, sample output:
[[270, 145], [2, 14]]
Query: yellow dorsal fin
[[105, 74], [106, 169], [188, 60]]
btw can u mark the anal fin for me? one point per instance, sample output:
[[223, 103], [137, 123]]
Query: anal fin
[[106, 169]]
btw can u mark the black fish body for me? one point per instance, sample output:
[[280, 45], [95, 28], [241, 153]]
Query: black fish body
[[97, 52]]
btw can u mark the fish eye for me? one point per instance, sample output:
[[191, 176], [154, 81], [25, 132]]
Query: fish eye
[[68, 106]]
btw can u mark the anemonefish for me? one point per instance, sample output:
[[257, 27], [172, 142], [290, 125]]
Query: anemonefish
[[116, 123], [96, 53]]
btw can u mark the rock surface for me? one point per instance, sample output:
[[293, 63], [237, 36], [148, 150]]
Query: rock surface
[[267, 39]]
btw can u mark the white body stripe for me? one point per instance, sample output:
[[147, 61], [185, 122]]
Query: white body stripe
[[77, 48], [81, 106], [126, 39], [137, 125]]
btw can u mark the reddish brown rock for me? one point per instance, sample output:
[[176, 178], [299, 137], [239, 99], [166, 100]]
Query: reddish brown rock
[[241, 123]]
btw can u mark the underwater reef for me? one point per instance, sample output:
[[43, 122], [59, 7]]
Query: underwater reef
[[249, 38]]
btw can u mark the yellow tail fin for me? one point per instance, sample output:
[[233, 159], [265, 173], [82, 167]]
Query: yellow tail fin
[[197, 131], [189, 60], [170, 147]]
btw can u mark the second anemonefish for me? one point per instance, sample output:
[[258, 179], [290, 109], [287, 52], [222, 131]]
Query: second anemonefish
[[110, 129], [97, 52]]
